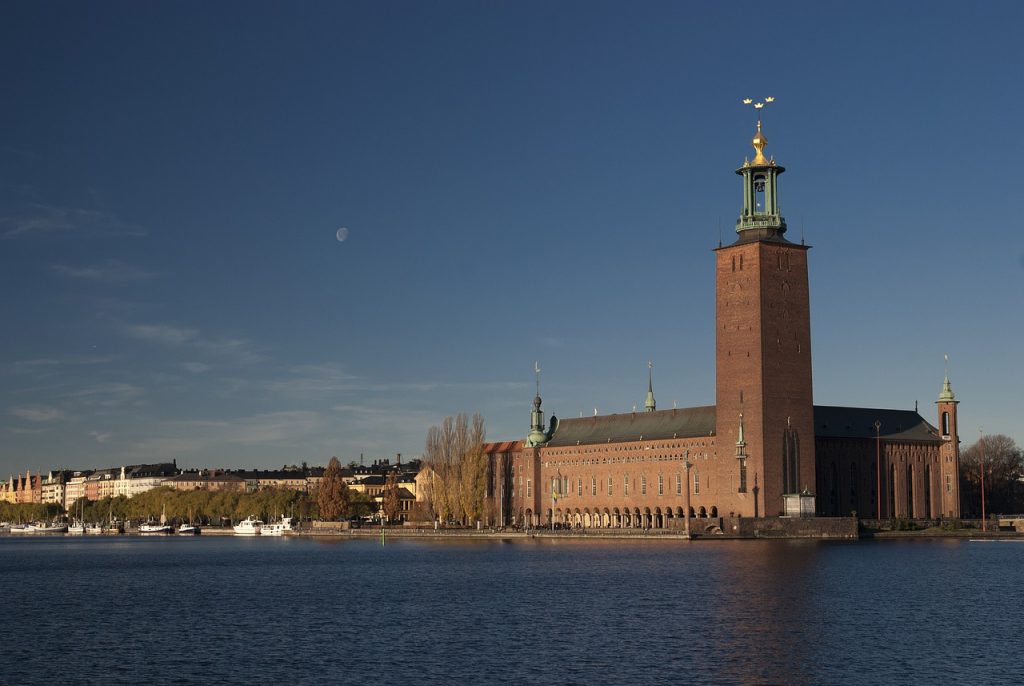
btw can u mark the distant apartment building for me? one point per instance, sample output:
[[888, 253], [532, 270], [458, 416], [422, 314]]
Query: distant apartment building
[[22, 489], [206, 481]]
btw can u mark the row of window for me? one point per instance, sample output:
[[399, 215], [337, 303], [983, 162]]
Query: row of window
[[562, 487]]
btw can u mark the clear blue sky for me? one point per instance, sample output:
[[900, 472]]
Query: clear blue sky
[[520, 181]]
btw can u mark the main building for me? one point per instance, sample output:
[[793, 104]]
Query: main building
[[764, 448]]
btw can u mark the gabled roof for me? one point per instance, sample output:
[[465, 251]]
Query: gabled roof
[[686, 422], [859, 422]]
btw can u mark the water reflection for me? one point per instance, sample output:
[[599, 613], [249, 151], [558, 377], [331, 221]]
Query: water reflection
[[528, 611]]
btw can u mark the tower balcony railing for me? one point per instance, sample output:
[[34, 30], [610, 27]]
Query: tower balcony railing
[[757, 221]]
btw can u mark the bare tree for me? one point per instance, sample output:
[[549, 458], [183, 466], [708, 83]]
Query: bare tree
[[390, 503], [1004, 468], [454, 455]]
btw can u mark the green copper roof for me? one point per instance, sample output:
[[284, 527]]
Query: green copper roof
[[947, 392]]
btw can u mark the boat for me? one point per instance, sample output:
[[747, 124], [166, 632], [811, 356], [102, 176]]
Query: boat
[[249, 526], [152, 527], [112, 528], [93, 528], [19, 529], [47, 528], [277, 528], [188, 528], [76, 528]]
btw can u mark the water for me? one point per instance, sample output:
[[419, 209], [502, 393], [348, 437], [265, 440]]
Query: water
[[251, 611]]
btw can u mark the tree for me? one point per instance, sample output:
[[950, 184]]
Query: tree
[[1004, 469], [391, 505], [458, 468], [333, 496]]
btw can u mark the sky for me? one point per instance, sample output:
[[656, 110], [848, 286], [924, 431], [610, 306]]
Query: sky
[[518, 182]]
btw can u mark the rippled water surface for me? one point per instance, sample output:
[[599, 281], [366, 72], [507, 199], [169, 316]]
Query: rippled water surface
[[232, 610]]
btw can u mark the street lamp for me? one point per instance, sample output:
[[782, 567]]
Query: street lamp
[[981, 443], [878, 468], [686, 503]]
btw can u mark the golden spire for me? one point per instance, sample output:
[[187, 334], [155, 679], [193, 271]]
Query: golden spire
[[760, 141]]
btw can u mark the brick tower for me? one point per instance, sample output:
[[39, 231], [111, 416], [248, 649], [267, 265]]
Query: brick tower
[[763, 351], [949, 453]]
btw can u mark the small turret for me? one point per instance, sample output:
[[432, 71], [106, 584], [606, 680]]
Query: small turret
[[538, 436], [649, 404]]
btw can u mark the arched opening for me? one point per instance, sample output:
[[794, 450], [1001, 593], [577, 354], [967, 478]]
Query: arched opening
[[714, 510], [527, 518], [928, 492], [679, 513], [616, 518], [693, 513], [910, 491], [702, 512], [637, 521]]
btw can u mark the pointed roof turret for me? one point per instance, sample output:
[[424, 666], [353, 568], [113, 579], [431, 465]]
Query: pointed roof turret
[[649, 404], [946, 396]]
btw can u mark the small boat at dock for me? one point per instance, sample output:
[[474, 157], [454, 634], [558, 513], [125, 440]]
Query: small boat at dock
[[249, 526]]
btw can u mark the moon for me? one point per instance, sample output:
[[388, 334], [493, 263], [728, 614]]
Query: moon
[[341, 234]]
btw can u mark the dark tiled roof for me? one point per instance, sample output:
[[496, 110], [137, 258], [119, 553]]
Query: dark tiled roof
[[829, 422], [187, 477], [859, 422], [652, 426]]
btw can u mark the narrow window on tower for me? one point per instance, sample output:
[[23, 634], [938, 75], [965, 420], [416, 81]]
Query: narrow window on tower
[[643, 484], [679, 484], [696, 482], [625, 484], [579, 487], [593, 485], [949, 484], [759, 207], [609, 485], [734, 263], [743, 475], [945, 424], [741, 262], [661, 484]]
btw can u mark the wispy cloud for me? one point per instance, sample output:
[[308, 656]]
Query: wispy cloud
[[100, 436], [109, 271], [164, 334], [53, 362], [37, 413], [41, 219], [196, 367], [237, 350], [108, 394], [331, 378], [275, 429], [304, 379]]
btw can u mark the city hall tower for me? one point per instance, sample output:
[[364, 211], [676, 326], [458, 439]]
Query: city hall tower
[[764, 398]]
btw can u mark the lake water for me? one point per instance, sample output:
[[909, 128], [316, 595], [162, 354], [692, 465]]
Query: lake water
[[299, 611]]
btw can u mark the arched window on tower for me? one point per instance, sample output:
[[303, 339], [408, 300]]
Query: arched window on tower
[[759, 207], [945, 424]]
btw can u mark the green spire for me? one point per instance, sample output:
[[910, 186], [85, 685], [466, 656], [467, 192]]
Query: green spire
[[649, 404], [537, 435], [946, 396]]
